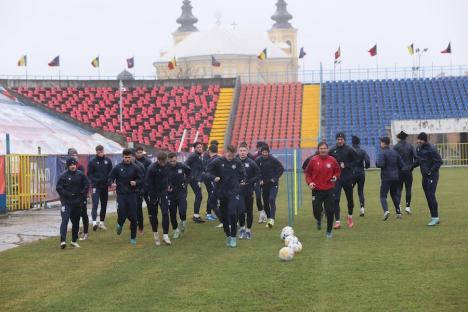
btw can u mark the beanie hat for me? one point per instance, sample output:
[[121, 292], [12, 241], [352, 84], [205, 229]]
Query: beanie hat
[[402, 135], [72, 151], [422, 136], [265, 147], [355, 140], [340, 135], [385, 140], [71, 161]]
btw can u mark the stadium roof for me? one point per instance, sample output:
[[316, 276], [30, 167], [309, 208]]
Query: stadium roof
[[221, 41], [29, 128]]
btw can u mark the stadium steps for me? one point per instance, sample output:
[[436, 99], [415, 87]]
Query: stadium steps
[[221, 117], [310, 116]]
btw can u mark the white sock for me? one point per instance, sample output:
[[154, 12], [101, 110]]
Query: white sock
[[165, 236], [196, 215], [102, 222], [94, 223], [242, 227], [248, 230]]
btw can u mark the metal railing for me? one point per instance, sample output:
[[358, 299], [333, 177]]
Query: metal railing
[[303, 75], [453, 154], [25, 181]]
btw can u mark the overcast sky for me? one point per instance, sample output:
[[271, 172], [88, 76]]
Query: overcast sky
[[79, 30]]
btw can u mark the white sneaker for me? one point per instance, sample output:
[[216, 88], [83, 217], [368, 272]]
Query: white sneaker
[[270, 223], [84, 237], [408, 210], [361, 212], [262, 217], [166, 240], [219, 225], [157, 242], [75, 244], [102, 226], [386, 215], [399, 216]]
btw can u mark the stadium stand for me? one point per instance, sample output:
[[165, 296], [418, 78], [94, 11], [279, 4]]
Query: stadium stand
[[366, 108], [270, 112], [310, 116], [221, 117], [155, 116]]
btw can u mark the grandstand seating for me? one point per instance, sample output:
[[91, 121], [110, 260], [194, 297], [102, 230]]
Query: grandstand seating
[[366, 108], [270, 112], [155, 116]]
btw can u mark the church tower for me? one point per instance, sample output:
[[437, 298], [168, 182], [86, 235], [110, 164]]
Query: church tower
[[282, 30], [187, 23]]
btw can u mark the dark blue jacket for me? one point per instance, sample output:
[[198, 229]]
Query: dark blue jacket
[[407, 153], [99, 169], [195, 163], [142, 186], [156, 179], [390, 164], [346, 158], [178, 177], [428, 158], [252, 172], [122, 174], [72, 187], [144, 161], [362, 160], [231, 174], [270, 168]]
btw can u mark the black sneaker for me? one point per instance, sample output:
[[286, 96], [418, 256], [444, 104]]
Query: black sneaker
[[95, 227], [198, 220]]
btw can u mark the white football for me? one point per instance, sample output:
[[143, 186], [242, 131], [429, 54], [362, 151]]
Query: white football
[[286, 254], [286, 231], [297, 248], [290, 240]]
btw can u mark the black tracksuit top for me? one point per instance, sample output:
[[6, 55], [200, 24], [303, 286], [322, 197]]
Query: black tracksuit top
[[72, 187], [99, 169]]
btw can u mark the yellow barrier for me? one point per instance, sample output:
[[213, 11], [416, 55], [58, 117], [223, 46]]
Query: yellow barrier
[[453, 154], [25, 181]]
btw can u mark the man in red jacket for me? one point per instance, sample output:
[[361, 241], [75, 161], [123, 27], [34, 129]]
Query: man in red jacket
[[321, 173]]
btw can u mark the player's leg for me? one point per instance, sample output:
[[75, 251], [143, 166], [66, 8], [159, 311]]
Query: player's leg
[[241, 216], [395, 195], [139, 213], [121, 213], [317, 207], [348, 189], [95, 203], [336, 204], [132, 216], [84, 216], [65, 212], [384, 188], [75, 215], [104, 197], [152, 208], [164, 204], [195, 185], [248, 205], [272, 201], [361, 180], [329, 210]]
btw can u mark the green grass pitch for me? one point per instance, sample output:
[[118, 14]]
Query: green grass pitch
[[398, 265]]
